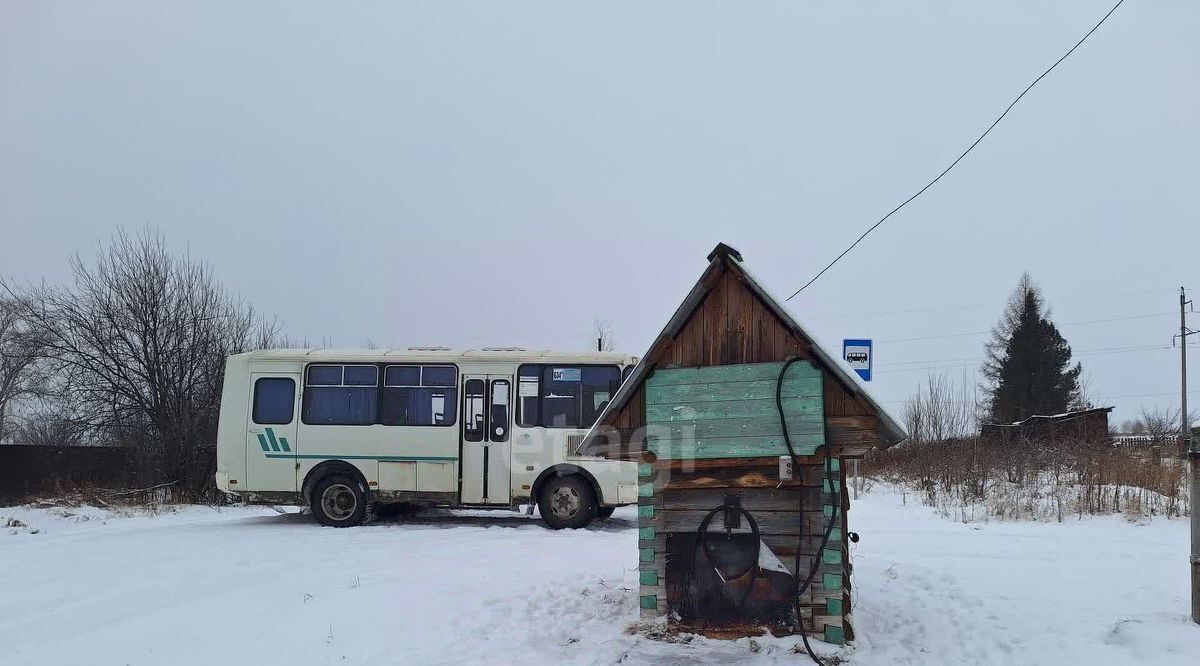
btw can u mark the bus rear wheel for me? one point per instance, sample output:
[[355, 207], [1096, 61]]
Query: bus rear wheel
[[567, 502], [339, 501]]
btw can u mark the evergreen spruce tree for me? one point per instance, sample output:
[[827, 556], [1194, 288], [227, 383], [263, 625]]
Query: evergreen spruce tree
[[1028, 363]]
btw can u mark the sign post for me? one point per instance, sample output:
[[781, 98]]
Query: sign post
[[857, 353]]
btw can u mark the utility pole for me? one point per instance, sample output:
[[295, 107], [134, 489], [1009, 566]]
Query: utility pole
[[1193, 451]]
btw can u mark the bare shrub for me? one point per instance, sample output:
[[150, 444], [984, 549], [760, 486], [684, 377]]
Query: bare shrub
[[977, 479], [941, 410], [1161, 424]]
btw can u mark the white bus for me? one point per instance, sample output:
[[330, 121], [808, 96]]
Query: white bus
[[490, 428]]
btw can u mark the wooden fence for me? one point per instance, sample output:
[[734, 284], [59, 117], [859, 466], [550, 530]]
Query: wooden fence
[[32, 471]]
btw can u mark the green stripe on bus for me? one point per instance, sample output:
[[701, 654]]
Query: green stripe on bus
[[284, 444], [330, 456], [274, 442], [262, 441]]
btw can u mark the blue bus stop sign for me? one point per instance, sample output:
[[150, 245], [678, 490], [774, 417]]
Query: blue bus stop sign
[[857, 354]]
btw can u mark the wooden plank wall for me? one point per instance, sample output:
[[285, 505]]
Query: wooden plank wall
[[730, 411], [674, 497], [733, 326]]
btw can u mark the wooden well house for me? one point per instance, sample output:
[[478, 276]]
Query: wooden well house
[[736, 533]]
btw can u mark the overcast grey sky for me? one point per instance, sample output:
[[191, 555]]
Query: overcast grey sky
[[494, 173]]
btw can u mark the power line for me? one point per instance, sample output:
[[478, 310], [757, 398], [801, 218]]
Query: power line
[[964, 153], [1100, 351], [1067, 323], [1101, 397], [890, 370], [1141, 395], [988, 304]]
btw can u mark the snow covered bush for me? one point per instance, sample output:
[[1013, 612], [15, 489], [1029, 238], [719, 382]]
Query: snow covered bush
[[975, 479]]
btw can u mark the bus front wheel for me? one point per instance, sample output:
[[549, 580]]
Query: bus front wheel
[[567, 502], [338, 500]]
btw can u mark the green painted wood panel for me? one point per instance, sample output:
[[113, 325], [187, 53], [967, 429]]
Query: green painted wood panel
[[649, 577], [646, 554], [809, 387], [726, 449], [647, 511], [834, 635], [830, 581], [832, 606], [802, 408], [646, 533], [724, 428], [729, 411], [742, 372], [645, 469], [646, 490]]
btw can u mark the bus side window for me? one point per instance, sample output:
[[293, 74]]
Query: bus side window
[[499, 415], [274, 400], [528, 388], [419, 395], [598, 385], [474, 418]]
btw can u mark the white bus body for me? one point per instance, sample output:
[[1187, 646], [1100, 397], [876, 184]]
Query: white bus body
[[492, 428]]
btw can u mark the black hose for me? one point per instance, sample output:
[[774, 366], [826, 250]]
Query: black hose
[[801, 588], [702, 537]]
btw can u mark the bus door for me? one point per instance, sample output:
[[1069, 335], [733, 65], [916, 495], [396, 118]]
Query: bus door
[[271, 437], [486, 422]]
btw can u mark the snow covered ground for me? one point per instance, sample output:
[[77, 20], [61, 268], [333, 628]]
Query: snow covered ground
[[250, 586]]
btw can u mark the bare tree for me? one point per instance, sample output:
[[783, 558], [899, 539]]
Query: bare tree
[[602, 333], [1131, 427], [21, 348], [942, 410], [138, 345], [1161, 423], [49, 428], [1085, 398]]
